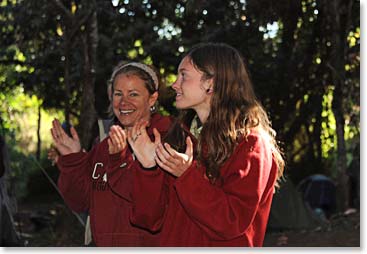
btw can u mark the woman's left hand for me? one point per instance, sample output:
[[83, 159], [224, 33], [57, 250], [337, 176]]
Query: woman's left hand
[[172, 161], [142, 145]]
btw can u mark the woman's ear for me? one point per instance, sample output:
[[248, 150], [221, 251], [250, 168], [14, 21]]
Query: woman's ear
[[209, 89], [209, 86], [153, 98]]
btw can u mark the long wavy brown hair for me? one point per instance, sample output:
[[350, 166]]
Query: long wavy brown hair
[[234, 109]]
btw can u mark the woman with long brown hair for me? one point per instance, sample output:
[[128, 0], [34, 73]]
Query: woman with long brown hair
[[221, 194]]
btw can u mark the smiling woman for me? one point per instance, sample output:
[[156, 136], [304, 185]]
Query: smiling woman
[[218, 192], [132, 99], [100, 181]]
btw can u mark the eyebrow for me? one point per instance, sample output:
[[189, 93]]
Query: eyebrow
[[182, 69], [131, 90]]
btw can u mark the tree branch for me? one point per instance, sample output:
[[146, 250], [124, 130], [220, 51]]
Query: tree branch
[[62, 8]]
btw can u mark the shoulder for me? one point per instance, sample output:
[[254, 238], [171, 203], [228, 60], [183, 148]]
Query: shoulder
[[256, 141], [162, 123]]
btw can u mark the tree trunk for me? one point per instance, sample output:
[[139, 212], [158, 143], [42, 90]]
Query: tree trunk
[[38, 154], [339, 20], [67, 44], [88, 113]]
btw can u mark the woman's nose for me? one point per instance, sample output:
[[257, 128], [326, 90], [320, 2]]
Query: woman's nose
[[124, 100], [175, 85]]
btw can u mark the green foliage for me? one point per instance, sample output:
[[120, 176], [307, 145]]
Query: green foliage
[[328, 133], [19, 115], [286, 44]]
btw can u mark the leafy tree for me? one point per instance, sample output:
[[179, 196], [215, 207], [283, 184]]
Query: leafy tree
[[303, 57]]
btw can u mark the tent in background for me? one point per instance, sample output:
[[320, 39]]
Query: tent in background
[[319, 192], [289, 211]]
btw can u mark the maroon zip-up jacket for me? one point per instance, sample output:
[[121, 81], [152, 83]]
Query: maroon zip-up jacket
[[85, 183], [190, 211]]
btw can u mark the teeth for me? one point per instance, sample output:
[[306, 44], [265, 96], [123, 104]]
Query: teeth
[[126, 111]]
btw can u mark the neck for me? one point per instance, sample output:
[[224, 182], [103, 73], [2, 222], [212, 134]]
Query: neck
[[203, 112], [147, 118]]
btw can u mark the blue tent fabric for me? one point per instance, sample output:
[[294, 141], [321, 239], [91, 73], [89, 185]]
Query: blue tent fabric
[[319, 191]]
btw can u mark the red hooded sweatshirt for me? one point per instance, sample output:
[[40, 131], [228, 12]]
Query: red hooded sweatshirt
[[85, 184], [190, 211]]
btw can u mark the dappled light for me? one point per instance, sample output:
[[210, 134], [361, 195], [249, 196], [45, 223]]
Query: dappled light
[[56, 59]]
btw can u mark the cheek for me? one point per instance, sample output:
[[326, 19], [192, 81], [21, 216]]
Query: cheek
[[144, 106], [115, 102]]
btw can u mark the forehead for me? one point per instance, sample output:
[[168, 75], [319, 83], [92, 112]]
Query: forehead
[[186, 64], [128, 81]]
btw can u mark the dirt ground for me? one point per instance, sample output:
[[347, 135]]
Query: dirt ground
[[341, 231], [47, 222]]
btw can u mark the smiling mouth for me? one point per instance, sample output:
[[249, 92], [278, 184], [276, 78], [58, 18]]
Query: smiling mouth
[[126, 112]]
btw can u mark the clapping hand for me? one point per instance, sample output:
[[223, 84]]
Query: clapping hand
[[63, 143], [117, 139], [142, 145], [53, 155], [172, 161]]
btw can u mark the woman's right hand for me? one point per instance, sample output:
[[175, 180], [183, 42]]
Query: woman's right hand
[[117, 139], [63, 143]]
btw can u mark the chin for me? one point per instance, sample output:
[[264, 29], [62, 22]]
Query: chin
[[126, 123], [180, 105]]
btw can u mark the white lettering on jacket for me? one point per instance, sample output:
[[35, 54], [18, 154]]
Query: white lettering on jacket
[[94, 176]]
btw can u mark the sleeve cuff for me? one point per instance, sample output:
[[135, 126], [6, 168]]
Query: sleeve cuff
[[70, 161], [149, 172], [188, 174], [118, 156]]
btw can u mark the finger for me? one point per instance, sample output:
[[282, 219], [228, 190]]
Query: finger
[[163, 151], [74, 134], [121, 135], [164, 156], [124, 136], [170, 150], [162, 165], [57, 127], [56, 138], [157, 136], [110, 145], [115, 139], [189, 147], [111, 131], [53, 134]]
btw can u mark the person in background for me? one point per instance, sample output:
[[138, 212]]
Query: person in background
[[84, 177], [218, 192]]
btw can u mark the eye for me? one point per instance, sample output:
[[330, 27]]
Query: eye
[[183, 76], [117, 93], [133, 94]]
